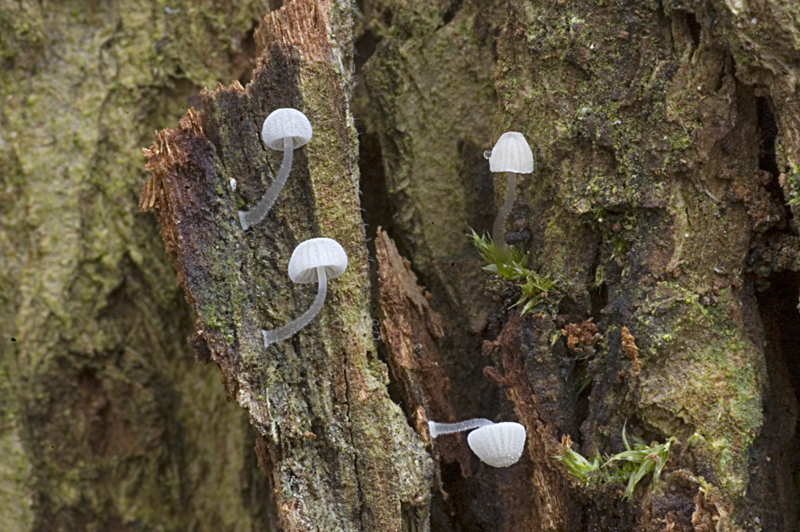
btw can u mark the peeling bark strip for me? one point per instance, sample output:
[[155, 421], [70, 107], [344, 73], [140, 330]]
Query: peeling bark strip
[[410, 327], [339, 452]]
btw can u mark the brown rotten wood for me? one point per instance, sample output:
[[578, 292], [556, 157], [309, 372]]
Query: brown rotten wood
[[410, 329], [339, 452]]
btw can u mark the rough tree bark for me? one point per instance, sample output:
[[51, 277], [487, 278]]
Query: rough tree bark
[[339, 452], [666, 144], [106, 421], [662, 203]]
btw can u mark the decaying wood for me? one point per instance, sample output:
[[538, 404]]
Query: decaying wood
[[410, 329], [531, 380], [339, 453]]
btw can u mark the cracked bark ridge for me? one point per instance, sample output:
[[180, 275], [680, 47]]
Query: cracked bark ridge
[[338, 451], [410, 329]]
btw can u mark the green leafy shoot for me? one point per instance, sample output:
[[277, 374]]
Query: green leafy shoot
[[644, 458], [630, 466], [511, 264], [578, 465], [534, 289]]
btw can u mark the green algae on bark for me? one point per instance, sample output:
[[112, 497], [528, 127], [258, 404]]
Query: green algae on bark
[[666, 143], [640, 115], [100, 372]]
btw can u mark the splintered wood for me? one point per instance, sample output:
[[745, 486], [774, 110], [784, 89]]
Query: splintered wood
[[410, 327], [304, 26]]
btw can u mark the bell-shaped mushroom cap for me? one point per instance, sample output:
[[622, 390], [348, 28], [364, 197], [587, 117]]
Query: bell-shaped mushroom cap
[[511, 154], [282, 123], [499, 444], [313, 253]]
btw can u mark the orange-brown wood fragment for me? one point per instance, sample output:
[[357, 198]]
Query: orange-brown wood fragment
[[300, 26], [410, 327], [630, 349]]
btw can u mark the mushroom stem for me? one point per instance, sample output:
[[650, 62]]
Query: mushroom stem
[[289, 330], [499, 229], [438, 429], [259, 212]]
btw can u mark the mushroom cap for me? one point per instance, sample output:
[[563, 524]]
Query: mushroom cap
[[499, 444], [282, 123], [313, 253], [511, 154]]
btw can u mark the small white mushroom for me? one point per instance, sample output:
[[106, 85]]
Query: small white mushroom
[[284, 130], [313, 261], [511, 154], [496, 444]]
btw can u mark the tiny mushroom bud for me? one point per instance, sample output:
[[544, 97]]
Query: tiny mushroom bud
[[313, 261], [511, 154], [284, 130], [496, 444]]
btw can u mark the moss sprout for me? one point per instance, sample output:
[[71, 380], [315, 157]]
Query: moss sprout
[[629, 466], [510, 263]]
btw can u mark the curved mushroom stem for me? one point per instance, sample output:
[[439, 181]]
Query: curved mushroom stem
[[438, 429], [289, 330], [499, 228], [259, 212]]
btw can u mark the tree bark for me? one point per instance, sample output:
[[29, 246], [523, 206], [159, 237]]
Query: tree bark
[[662, 204], [338, 451], [106, 420]]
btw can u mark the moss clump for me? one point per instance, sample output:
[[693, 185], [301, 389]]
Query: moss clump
[[511, 264], [629, 466]]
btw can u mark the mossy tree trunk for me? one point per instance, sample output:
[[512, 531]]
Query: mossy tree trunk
[[661, 203], [106, 420]]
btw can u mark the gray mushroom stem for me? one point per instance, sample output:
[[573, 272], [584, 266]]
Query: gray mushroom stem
[[259, 212], [289, 330], [499, 228]]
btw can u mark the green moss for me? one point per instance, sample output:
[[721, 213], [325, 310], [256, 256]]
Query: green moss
[[628, 467], [706, 375], [93, 269], [793, 184], [511, 264]]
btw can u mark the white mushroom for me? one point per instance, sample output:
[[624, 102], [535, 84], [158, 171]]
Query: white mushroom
[[511, 154], [496, 444], [284, 129], [313, 261]]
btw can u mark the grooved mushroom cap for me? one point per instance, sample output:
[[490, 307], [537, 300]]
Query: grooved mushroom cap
[[511, 154], [282, 123], [499, 444], [311, 254]]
